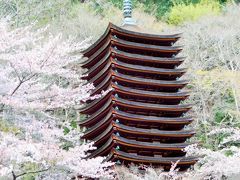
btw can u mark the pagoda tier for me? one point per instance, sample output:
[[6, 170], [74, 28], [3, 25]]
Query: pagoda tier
[[141, 118]]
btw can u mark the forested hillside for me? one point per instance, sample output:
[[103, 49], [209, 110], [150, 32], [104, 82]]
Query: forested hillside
[[41, 88]]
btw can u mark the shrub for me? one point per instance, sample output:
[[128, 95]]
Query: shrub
[[162, 9], [183, 12]]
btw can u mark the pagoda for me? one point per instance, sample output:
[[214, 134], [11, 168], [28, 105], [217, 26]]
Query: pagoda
[[140, 119]]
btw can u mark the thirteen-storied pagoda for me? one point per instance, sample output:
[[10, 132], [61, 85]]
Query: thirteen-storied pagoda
[[141, 119]]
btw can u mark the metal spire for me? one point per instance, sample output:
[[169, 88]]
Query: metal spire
[[127, 13]]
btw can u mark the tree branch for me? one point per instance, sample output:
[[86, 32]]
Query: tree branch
[[29, 172], [17, 87]]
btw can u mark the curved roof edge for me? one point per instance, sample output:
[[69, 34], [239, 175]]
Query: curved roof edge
[[150, 159], [135, 117], [116, 29], [115, 140], [153, 132]]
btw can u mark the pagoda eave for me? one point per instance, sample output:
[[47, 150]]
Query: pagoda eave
[[150, 94], [100, 111], [169, 85], [153, 132], [149, 145], [103, 85], [131, 57], [139, 145], [169, 73], [141, 131], [112, 29], [99, 65], [152, 119], [89, 122], [138, 46], [101, 125], [121, 44], [139, 105], [149, 82], [151, 159], [151, 106], [96, 103]]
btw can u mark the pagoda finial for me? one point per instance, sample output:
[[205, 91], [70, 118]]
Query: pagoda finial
[[127, 13]]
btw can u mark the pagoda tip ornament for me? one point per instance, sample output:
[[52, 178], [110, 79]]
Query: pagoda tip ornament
[[127, 13]]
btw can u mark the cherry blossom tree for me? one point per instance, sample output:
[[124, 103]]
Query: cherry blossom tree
[[40, 72], [47, 153]]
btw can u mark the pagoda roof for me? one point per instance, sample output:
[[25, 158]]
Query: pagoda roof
[[99, 65], [98, 126], [146, 47], [151, 106], [152, 119], [152, 132], [104, 84], [134, 117], [145, 58], [103, 149], [150, 145], [94, 75], [106, 107], [97, 102], [116, 154], [95, 57], [137, 105], [116, 42], [138, 131], [152, 94], [142, 93], [149, 82], [105, 71], [137, 80], [103, 136], [118, 140], [132, 57], [115, 30], [147, 69]]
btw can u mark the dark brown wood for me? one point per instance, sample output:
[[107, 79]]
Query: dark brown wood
[[149, 60], [148, 159], [96, 72], [94, 119], [115, 30], [142, 118], [153, 132], [160, 51], [117, 140], [153, 94], [91, 108]]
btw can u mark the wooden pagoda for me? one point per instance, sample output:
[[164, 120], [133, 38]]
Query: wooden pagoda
[[141, 120]]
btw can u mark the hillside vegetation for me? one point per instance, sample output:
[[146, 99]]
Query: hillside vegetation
[[40, 85]]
